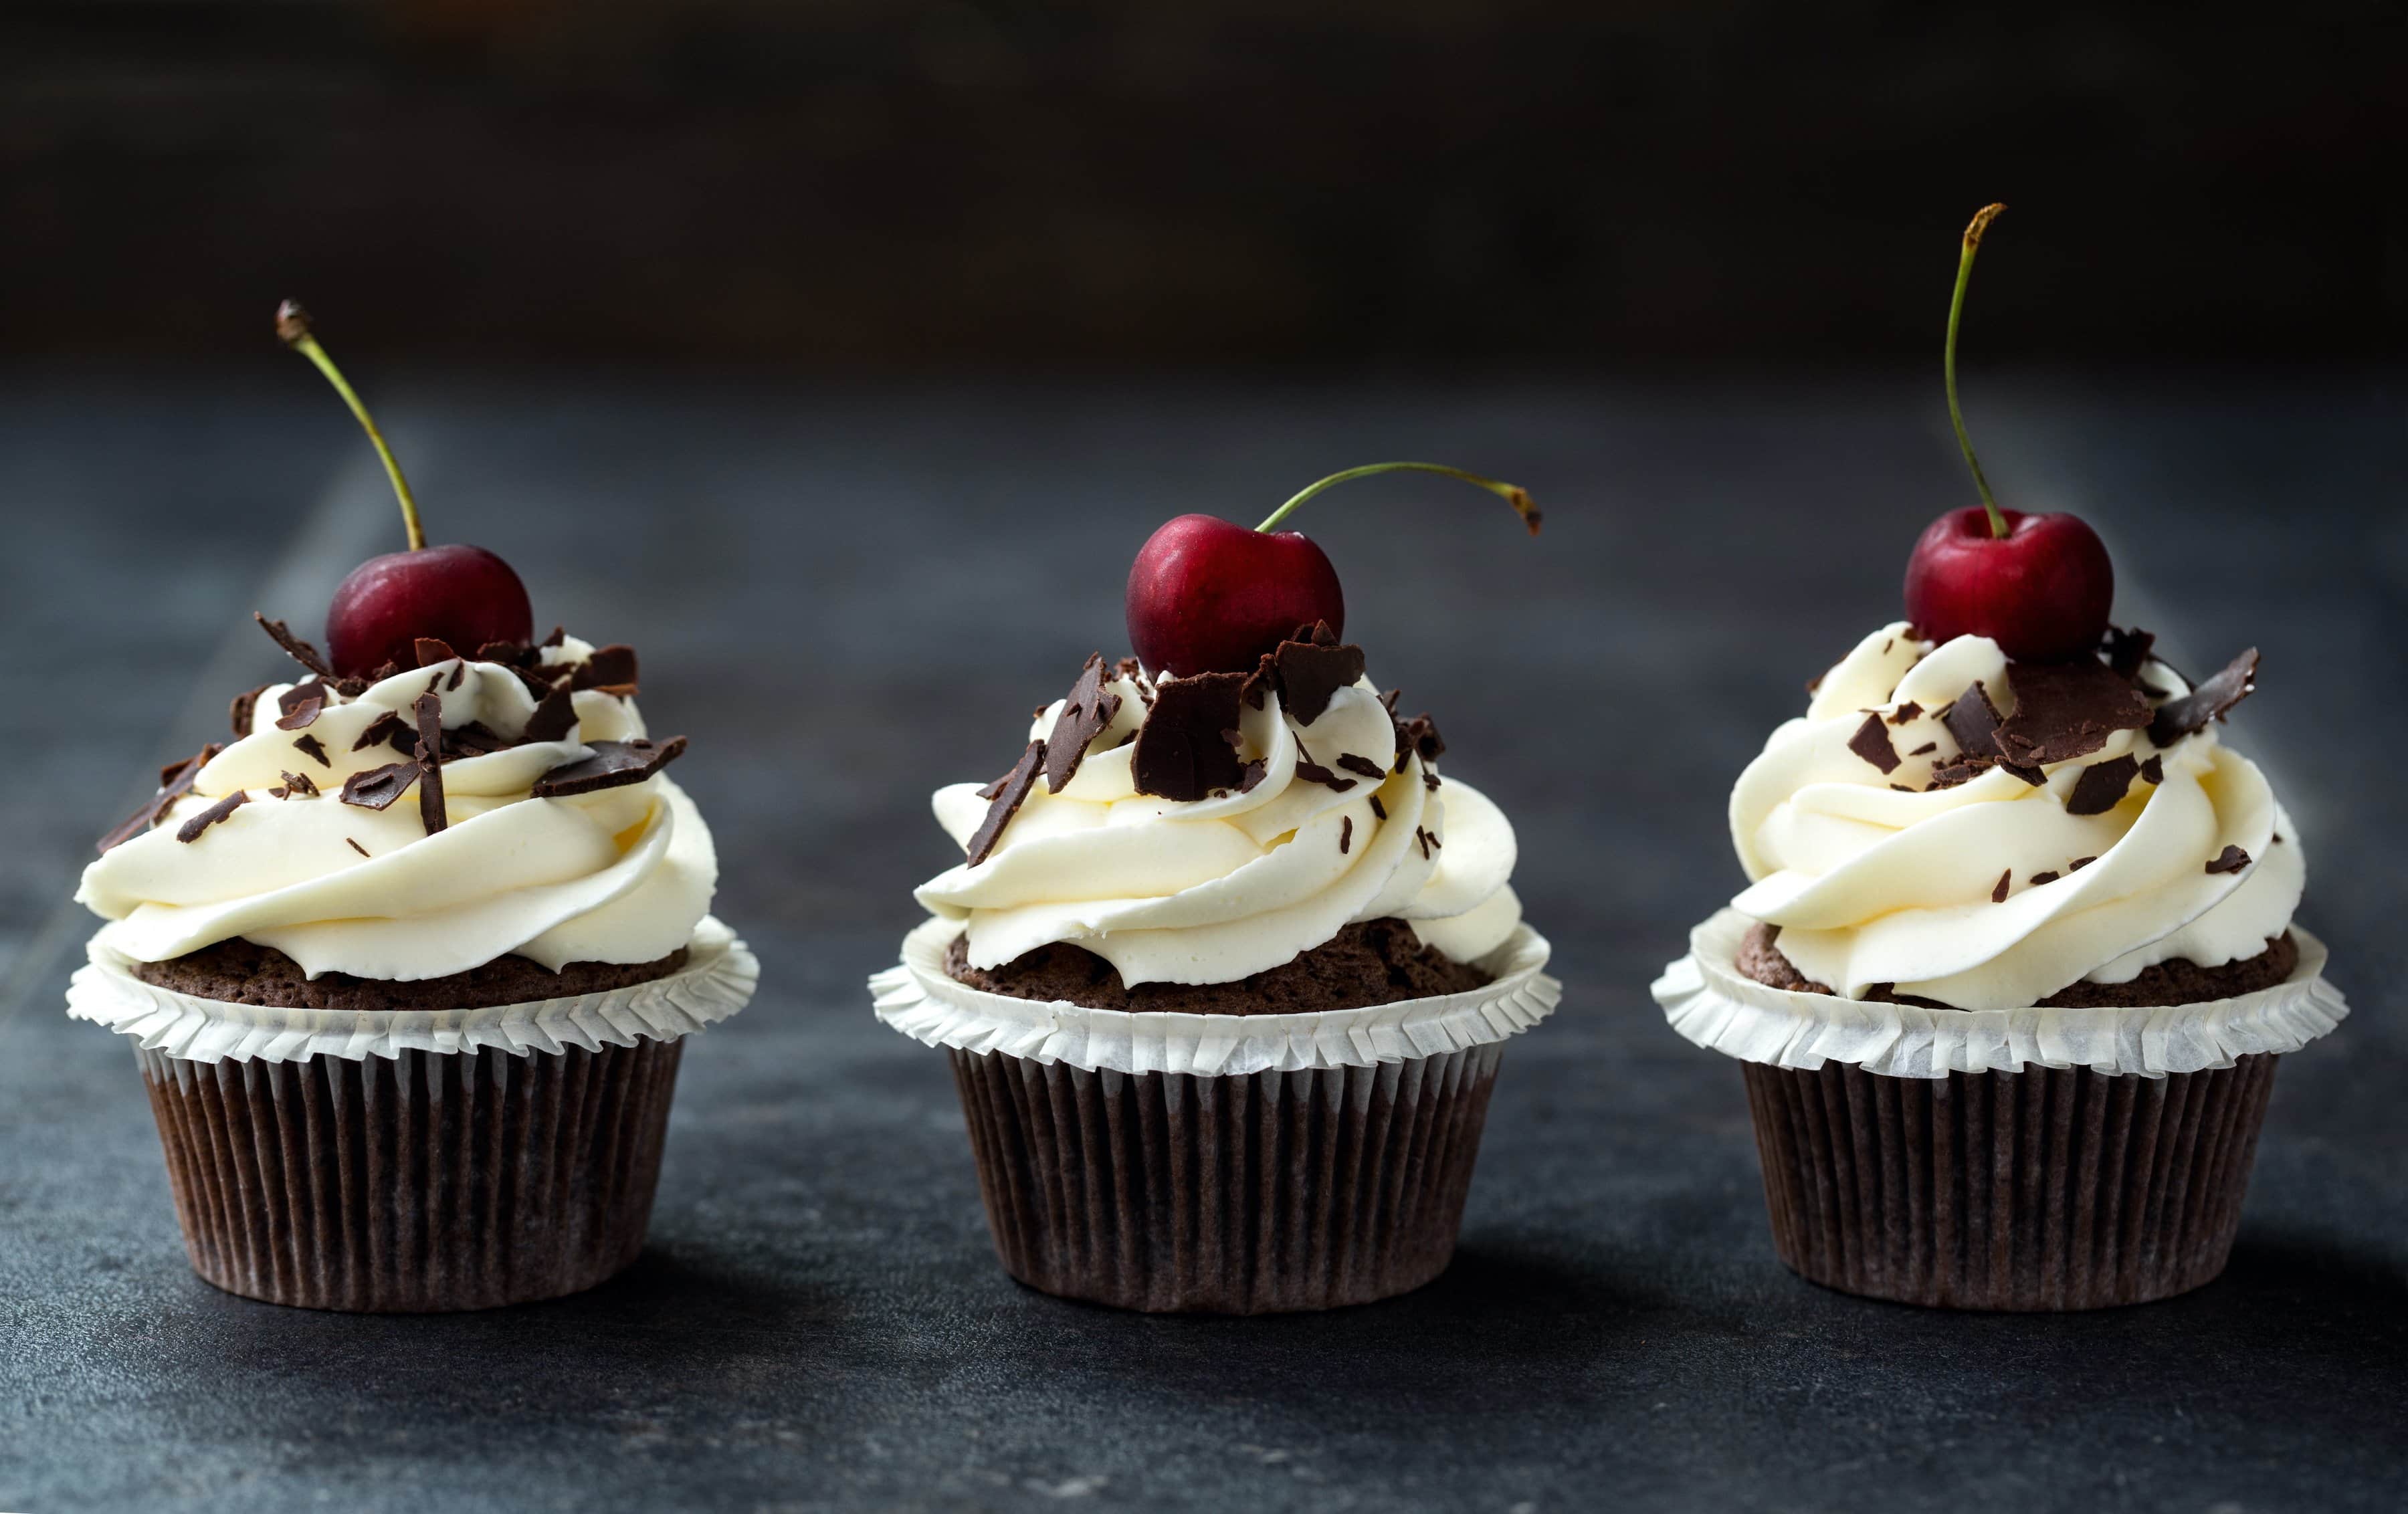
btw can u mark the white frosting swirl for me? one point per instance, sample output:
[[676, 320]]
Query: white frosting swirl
[[1213, 889], [1872, 885], [621, 875]]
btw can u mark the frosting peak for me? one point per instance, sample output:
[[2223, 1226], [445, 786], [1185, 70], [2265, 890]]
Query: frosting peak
[[1983, 833], [620, 873]]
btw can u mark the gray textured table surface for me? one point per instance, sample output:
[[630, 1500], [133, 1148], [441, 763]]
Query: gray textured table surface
[[848, 597]]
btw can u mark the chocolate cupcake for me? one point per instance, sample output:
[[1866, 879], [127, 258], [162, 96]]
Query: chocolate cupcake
[[1224, 979], [2019, 954], [409, 961]]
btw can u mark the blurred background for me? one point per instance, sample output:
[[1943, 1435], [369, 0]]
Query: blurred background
[[1337, 185]]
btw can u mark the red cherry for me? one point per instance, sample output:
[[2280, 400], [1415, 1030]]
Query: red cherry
[[462, 595], [1207, 595], [2041, 591]]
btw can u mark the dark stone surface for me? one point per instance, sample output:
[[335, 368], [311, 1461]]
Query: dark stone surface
[[819, 1321]]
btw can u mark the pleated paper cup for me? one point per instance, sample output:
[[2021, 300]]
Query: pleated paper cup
[[2017, 1160], [415, 1161], [1221, 1163]]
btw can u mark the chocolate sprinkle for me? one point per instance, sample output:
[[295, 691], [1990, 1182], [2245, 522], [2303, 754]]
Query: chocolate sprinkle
[[2102, 787], [377, 787], [1365, 765], [2154, 770], [175, 781], [1998, 895], [1423, 837], [2127, 651], [1180, 754], [555, 714], [432, 649], [1311, 671], [1905, 712], [191, 830], [355, 846], [238, 714], [389, 728], [428, 707], [1345, 834], [2065, 711], [1872, 743], [1011, 792], [613, 764], [1083, 717], [295, 648], [314, 749], [1378, 808], [2039, 879], [2211, 701], [301, 705], [2230, 860]]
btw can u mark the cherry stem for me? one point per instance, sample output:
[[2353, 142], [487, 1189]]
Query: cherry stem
[[1982, 220], [292, 325], [1513, 494]]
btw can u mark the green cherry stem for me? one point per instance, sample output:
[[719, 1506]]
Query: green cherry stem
[[1513, 494], [1982, 220], [292, 325]]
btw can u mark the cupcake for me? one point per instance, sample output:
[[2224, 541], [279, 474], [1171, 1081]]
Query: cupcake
[[2018, 956], [1226, 972], [408, 960]]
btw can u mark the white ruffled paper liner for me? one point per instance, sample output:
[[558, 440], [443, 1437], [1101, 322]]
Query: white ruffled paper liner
[[717, 981], [1708, 1000], [920, 999]]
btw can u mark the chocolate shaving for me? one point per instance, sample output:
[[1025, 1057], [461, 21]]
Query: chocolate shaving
[[2127, 651], [377, 787], [296, 785], [313, 748], [240, 713], [1365, 765], [2230, 860], [1379, 809], [175, 781], [295, 648], [613, 764], [1311, 671], [559, 635], [1010, 793], [2102, 787], [1905, 712], [2078, 863], [1083, 717], [1180, 754], [459, 671], [2032, 776], [474, 739], [428, 707], [1925, 749], [1423, 837], [1998, 895], [2211, 701], [555, 714], [1419, 735], [1260, 682], [191, 830], [538, 682], [390, 728], [1974, 721], [432, 649], [2039, 879], [613, 666], [1872, 743], [1345, 834], [1315, 773], [1950, 775], [1253, 774], [301, 705], [2065, 711], [507, 654], [355, 846], [2154, 770], [1430, 780]]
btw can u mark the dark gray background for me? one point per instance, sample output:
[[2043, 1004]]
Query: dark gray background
[[848, 595]]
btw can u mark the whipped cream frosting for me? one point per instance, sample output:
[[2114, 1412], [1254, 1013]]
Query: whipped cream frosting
[[1213, 889], [1871, 885], [620, 875]]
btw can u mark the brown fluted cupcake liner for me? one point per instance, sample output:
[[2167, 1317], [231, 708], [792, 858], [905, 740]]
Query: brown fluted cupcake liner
[[1247, 1193], [419, 1182], [2038, 1190]]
